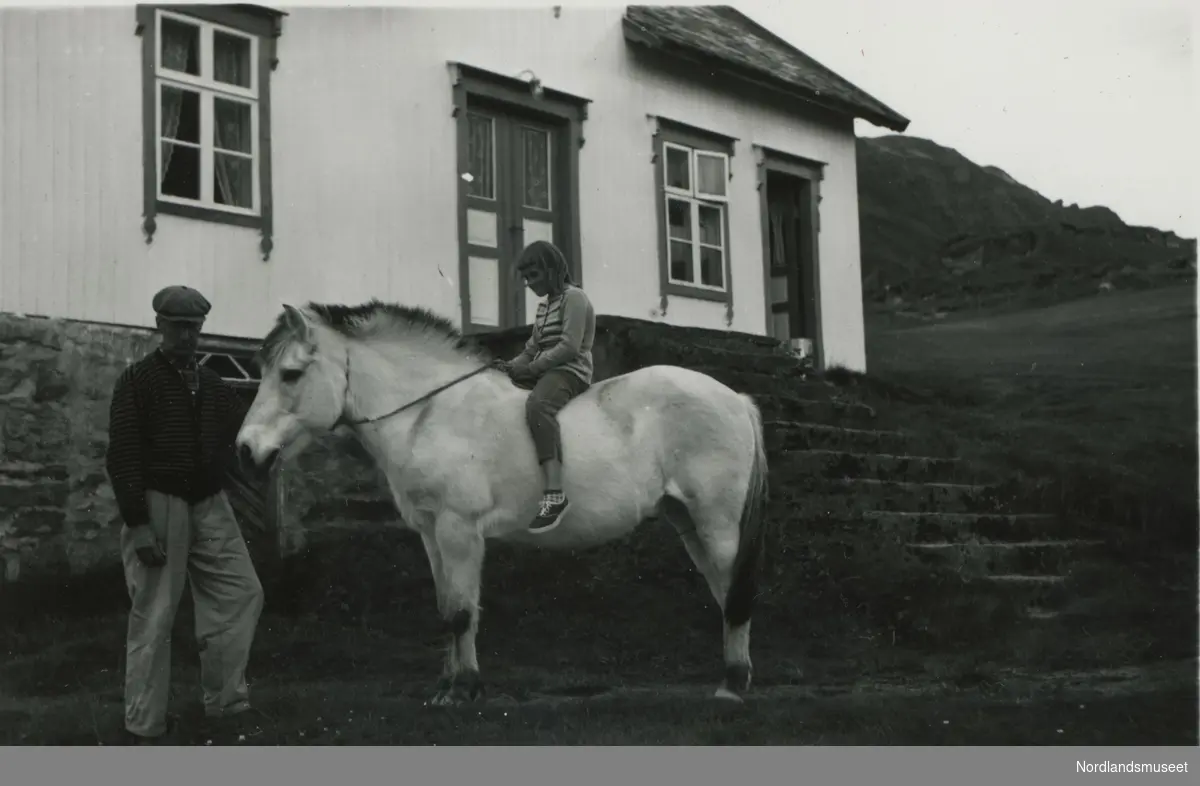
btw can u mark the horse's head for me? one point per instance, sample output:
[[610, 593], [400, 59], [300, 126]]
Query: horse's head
[[303, 390]]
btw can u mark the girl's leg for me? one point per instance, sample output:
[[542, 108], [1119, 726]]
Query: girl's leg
[[549, 395]]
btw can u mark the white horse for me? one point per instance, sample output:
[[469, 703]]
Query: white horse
[[449, 433]]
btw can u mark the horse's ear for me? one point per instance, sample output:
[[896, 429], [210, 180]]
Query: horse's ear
[[296, 320]]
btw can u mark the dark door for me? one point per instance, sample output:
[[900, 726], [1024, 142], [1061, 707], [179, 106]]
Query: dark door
[[783, 206], [513, 198]]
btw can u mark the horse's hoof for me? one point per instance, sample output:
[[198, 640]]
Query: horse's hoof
[[737, 678], [443, 699], [727, 695], [469, 686]]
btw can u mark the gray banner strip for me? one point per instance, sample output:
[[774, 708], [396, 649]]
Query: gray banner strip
[[733, 766]]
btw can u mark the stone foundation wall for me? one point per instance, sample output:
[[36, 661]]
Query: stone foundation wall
[[57, 511]]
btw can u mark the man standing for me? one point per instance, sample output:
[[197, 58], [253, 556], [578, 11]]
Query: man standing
[[172, 424]]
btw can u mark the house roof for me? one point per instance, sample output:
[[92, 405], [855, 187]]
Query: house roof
[[743, 47]]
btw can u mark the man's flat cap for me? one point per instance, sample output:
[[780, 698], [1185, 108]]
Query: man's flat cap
[[181, 304]]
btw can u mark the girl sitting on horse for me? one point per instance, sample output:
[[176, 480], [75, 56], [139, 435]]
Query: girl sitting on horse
[[556, 364]]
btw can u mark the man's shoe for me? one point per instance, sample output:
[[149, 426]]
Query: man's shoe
[[239, 728], [166, 738]]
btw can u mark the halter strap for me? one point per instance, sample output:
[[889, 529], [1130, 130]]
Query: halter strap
[[342, 419]]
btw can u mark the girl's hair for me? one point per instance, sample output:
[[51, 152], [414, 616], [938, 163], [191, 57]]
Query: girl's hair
[[545, 256]]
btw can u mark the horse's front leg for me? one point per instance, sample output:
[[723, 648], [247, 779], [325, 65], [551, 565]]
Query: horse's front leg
[[461, 547], [429, 540]]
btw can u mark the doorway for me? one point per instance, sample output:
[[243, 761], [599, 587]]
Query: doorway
[[790, 226]]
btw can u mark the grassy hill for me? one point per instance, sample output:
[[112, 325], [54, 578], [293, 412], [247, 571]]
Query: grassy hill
[[1097, 395], [942, 234]]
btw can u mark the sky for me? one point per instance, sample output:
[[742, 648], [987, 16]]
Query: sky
[[1088, 101]]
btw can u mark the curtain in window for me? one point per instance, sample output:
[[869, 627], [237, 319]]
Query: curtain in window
[[231, 126], [176, 51]]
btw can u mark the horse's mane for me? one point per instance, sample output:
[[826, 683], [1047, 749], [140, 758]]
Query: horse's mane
[[375, 320]]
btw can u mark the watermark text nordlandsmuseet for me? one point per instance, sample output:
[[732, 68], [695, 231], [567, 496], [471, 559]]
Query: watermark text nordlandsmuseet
[[1129, 766]]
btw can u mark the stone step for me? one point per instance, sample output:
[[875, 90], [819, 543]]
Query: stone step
[[1030, 557], [702, 338], [936, 527], [1030, 592], [842, 464], [868, 526], [835, 412], [737, 358], [759, 383], [806, 435], [841, 495]]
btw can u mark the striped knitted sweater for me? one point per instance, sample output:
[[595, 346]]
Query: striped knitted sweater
[[162, 435], [563, 332]]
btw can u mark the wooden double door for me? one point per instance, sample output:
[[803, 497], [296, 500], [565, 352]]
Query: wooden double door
[[515, 194]]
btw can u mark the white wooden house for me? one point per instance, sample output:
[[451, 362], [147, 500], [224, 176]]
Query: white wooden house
[[695, 167]]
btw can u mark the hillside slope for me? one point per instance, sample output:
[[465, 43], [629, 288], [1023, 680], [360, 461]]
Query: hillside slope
[[941, 233]]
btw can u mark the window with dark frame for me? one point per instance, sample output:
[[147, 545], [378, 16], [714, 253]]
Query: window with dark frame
[[206, 108], [692, 176]]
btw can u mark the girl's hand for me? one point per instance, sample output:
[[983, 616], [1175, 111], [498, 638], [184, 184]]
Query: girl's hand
[[520, 373]]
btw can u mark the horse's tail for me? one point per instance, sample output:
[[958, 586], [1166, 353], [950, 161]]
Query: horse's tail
[[743, 589]]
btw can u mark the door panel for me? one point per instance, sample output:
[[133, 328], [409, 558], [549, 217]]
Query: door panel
[[534, 199], [483, 228], [485, 219], [534, 230], [483, 277]]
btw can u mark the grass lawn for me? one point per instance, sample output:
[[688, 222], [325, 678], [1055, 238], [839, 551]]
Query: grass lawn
[[325, 684], [621, 645]]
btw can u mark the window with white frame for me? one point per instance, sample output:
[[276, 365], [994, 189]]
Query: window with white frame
[[695, 201], [207, 114]]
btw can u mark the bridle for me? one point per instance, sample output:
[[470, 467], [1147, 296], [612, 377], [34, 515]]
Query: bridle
[[343, 420]]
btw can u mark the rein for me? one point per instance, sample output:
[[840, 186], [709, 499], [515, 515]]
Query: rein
[[342, 419]]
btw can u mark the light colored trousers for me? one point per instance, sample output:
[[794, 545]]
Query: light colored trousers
[[204, 547]]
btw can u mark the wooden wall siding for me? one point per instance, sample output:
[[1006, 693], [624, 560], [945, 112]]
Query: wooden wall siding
[[364, 170]]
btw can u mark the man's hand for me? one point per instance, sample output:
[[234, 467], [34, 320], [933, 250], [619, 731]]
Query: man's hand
[[146, 546], [501, 365]]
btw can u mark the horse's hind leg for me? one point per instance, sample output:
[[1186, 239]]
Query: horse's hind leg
[[713, 548], [461, 547]]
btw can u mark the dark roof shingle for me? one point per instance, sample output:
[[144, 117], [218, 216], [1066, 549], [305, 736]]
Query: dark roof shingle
[[725, 34]]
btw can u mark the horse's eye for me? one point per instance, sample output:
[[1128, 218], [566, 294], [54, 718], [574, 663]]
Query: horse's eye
[[290, 375]]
